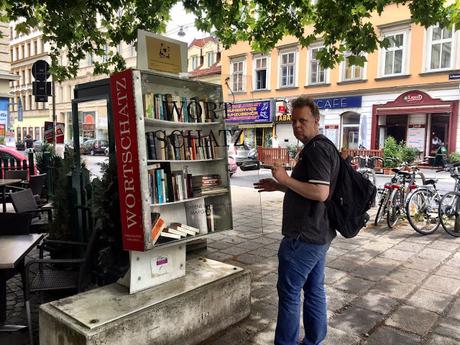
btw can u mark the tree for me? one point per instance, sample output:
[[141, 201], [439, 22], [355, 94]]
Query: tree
[[80, 27]]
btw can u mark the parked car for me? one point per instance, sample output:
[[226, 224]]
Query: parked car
[[94, 146], [245, 157], [8, 153], [232, 167]]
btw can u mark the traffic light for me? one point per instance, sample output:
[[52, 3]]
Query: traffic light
[[41, 88]]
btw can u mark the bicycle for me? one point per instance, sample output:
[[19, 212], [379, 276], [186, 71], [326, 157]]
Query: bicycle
[[422, 208], [399, 194], [449, 205]]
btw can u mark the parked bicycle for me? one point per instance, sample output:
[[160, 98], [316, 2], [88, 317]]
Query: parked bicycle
[[449, 204]]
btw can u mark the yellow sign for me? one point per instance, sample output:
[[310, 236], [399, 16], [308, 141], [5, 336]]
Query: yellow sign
[[284, 118], [164, 56]]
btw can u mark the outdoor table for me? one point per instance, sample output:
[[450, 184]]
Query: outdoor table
[[13, 249], [3, 184]]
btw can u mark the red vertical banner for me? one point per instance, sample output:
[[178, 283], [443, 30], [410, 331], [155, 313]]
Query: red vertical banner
[[124, 113]]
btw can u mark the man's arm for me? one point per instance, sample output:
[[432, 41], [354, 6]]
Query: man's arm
[[312, 191], [269, 185]]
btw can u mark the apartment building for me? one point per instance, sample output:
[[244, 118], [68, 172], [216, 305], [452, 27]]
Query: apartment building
[[204, 55], [407, 90], [5, 78], [29, 116]]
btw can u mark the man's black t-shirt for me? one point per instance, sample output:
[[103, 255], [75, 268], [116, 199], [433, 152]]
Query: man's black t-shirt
[[319, 164]]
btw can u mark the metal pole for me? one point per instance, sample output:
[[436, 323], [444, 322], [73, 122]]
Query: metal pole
[[54, 113]]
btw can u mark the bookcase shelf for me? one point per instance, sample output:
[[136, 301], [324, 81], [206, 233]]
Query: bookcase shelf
[[155, 188], [152, 161], [208, 194]]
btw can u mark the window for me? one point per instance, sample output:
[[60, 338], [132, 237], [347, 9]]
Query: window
[[22, 52], [194, 62], [11, 55], [394, 55], [90, 59], [24, 132], [30, 102], [351, 72], [440, 42], [29, 53], [105, 58], [287, 69], [42, 133], [260, 73], [18, 133], [17, 53], [37, 133], [317, 73], [237, 76], [210, 58], [35, 48], [23, 81]]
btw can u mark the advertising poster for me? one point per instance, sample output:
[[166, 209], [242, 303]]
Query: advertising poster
[[250, 112], [59, 132], [416, 137], [4, 111]]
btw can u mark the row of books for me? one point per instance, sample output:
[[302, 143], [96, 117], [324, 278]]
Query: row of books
[[168, 186], [174, 231], [160, 232], [178, 147], [179, 109]]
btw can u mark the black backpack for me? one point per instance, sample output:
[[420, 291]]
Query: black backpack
[[351, 199]]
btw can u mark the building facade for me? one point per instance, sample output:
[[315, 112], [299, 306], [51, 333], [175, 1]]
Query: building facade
[[204, 55], [6, 129], [28, 116], [407, 90]]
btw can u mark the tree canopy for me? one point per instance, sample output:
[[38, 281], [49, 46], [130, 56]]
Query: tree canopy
[[81, 27]]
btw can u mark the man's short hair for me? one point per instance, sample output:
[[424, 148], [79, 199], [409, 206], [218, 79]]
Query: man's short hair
[[305, 101]]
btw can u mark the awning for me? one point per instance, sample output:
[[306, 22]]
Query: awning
[[255, 125]]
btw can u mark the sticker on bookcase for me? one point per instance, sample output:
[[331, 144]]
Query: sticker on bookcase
[[160, 265]]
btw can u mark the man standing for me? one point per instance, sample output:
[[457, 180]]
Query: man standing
[[307, 235]]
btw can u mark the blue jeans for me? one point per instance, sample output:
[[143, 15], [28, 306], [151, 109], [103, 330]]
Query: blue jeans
[[301, 266]]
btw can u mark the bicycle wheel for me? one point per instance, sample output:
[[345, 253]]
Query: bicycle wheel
[[422, 211], [394, 210], [448, 213], [382, 210]]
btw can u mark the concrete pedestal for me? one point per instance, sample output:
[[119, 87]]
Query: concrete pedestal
[[209, 298]]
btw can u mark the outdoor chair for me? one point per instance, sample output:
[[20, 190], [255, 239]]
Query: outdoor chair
[[15, 223], [36, 184], [24, 203], [72, 275]]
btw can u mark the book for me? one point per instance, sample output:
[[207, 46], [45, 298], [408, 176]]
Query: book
[[210, 217], [177, 231], [195, 213], [158, 224], [185, 228], [167, 234], [149, 105], [160, 180], [158, 106], [151, 150]]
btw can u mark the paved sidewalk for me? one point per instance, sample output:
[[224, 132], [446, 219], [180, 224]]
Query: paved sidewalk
[[384, 287]]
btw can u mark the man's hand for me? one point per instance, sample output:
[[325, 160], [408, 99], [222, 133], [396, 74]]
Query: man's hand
[[280, 174], [268, 185]]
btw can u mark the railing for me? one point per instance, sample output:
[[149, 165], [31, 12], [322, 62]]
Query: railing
[[12, 164], [270, 156], [357, 152]]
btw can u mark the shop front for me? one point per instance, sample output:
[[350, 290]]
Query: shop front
[[340, 120], [423, 122], [254, 120]]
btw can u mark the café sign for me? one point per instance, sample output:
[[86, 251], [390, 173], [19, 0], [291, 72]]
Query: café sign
[[250, 112], [339, 102], [412, 98]]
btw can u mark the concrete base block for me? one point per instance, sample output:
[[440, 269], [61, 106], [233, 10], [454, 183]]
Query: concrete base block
[[209, 298]]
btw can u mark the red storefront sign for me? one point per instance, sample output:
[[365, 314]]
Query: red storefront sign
[[121, 85]]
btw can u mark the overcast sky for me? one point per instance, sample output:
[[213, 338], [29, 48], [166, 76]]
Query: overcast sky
[[180, 17]]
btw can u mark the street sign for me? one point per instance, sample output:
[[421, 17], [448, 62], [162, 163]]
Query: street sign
[[454, 76], [41, 99], [40, 88], [40, 70], [20, 111]]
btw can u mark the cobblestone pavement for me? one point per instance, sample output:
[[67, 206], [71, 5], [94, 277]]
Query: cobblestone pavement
[[383, 287]]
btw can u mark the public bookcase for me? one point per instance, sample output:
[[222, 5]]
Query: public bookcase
[[173, 177]]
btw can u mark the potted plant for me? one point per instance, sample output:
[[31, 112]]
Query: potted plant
[[391, 155]]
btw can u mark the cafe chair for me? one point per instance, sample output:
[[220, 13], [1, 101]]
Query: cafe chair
[[15, 223], [36, 184], [24, 203], [73, 275]]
